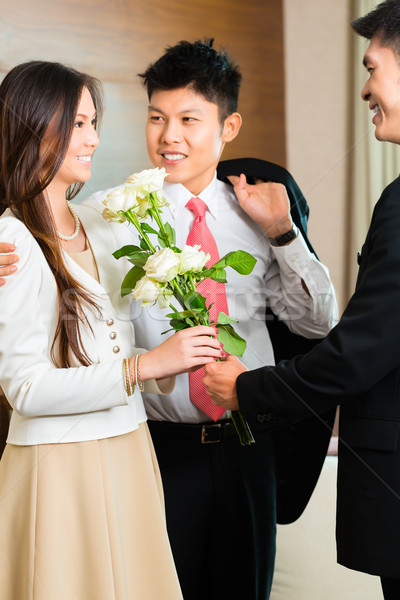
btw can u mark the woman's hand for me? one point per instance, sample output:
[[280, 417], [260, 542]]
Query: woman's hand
[[6, 261], [183, 351]]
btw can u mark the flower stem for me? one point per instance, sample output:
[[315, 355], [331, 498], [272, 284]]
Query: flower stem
[[177, 292], [192, 282], [133, 219], [155, 213], [245, 436]]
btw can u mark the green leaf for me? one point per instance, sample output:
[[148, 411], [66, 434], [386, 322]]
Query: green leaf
[[232, 342], [176, 326], [138, 259], [224, 319], [179, 325], [239, 260], [126, 251], [190, 322], [146, 227], [130, 280], [167, 239], [171, 234], [194, 300], [216, 275], [143, 244], [183, 314]]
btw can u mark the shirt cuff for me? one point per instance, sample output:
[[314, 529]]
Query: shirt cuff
[[296, 256]]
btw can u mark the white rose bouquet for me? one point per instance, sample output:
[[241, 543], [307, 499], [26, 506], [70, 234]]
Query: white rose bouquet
[[162, 272]]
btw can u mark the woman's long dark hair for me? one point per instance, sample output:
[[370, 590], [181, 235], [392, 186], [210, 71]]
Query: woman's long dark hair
[[33, 96]]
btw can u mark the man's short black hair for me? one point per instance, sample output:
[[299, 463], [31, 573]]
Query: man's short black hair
[[200, 67], [384, 22]]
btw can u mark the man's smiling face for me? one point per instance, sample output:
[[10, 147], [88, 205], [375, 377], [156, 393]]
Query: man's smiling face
[[185, 136], [382, 90]]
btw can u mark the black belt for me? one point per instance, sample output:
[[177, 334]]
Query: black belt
[[203, 433]]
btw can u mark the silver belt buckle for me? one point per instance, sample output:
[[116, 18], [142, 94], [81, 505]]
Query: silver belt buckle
[[204, 433]]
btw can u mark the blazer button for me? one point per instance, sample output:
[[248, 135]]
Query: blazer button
[[116, 349], [113, 335], [110, 322]]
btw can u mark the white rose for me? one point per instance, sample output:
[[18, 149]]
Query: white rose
[[163, 265], [146, 290], [147, 181], [192, 259], [120, 199], [141, 208], [108, 215], [164, 297]]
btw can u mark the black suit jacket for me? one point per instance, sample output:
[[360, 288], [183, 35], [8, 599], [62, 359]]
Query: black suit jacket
[[300, 448], [357, 366]]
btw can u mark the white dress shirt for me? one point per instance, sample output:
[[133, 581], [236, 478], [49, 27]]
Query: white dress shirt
[[275, 282]]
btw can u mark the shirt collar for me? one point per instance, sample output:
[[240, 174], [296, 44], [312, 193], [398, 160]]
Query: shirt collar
[[179, 196]]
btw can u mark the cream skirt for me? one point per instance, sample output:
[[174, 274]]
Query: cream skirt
[[84, 521]]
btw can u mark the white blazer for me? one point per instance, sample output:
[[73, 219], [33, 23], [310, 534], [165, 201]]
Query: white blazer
[[53, 405]]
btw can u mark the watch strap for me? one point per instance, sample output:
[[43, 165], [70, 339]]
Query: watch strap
[[285, 238]]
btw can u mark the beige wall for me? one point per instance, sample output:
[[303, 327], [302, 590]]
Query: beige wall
[[114, 40], [317, 36]]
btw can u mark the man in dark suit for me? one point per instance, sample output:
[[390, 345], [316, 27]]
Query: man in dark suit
[[221, 498], [358, 363]]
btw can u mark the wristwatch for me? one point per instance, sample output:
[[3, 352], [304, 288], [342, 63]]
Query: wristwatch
[[285, 238]]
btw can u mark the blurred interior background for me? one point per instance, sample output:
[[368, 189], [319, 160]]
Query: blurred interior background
[[297, 60], [301, 108]]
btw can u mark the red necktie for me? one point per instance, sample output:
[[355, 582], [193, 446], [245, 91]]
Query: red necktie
[[214, 292]]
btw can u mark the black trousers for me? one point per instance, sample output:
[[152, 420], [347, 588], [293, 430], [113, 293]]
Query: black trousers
[[391, 588], [221, 512]]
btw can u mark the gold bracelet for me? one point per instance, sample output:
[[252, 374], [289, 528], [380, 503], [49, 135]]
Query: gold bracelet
[[138, 379], [126, 377], [132, 359]]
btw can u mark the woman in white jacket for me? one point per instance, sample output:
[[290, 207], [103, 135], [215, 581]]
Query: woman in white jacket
[[81, 507]]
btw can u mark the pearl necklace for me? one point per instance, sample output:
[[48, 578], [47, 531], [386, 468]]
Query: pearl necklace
[[67, 238]]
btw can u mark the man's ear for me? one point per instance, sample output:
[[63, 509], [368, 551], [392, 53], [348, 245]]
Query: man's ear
[[231, 127]]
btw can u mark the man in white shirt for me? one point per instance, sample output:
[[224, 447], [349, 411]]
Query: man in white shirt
[[221, 553], [221, 497]]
